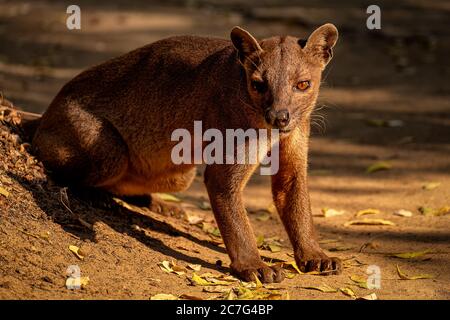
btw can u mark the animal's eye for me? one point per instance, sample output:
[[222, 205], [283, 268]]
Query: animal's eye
[[303, 85], [259, 86]]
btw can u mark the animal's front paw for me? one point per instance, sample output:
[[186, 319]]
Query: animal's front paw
[[264, 273], [316, 260]]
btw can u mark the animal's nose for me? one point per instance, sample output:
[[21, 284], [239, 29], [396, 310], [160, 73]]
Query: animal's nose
[[278, 118]]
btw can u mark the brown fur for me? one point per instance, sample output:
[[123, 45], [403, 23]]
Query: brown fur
[[110, 127]]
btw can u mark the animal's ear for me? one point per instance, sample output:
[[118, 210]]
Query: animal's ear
[[244, 42], [320, 44]]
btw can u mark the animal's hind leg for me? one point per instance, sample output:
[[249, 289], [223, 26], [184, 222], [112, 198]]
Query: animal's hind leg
[[134, 187], [93, 155]]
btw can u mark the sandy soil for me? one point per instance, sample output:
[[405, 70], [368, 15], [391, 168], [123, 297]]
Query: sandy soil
[[396, 73]]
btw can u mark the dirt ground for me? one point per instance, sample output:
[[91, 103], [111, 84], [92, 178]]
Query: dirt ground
[[385, 97]]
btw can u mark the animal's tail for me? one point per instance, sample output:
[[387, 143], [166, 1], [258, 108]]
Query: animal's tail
[[26, 122]]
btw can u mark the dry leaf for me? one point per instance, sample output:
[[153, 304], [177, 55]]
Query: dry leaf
[[348, 292], [77, 282], [171, 267], [359, 282], [378, 166], [410, 255], [426, 211], [403, 276], [163, 296], [263, 216], [323, 288], [367, 211], [403, 213], [4, 192], [76, 251], [367, 221], [216, 289], [293, 265], [327, 212], [371, 296], [199, 281], [193, 219], [167, 197], [431, 185], [195, 267], [340, 248]]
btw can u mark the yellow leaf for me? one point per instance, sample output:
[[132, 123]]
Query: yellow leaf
[[403, 276], [431, 185], [193, 219], [257, 281], [403, 213], [263, 216], [323, 288], [367, 211], [410, 255], [171, 267], [274, 248], [371, 296], [77, 283], [163, 296], [327, 212], [359, 281], [76, 252], [293, 265], [216, 289], [260, 241], [373, 222], [168, 197], [4, 192], [378, 166], [195, 267], [199, 281], [348, 292]]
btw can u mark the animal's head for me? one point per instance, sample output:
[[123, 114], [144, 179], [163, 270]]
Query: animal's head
[[284, 73]]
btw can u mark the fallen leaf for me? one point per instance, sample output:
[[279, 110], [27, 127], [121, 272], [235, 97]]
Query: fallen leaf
[[340, 248], [274, 248], [216, 289], [410, 255], [403, 276], [263, 216], [359, 282], [167, 197], [323, 288], [77, 283], [403, 213], [260, 241], [367, 211], [431, 185], [193, 219], [378, 166], [199, 281], [293, 265], [163, 296], [195, 267], [327, 212], [426, 211], [371, 296], [171, 267], [76, 251], [4, 192], [348, 292], [373, 222]]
